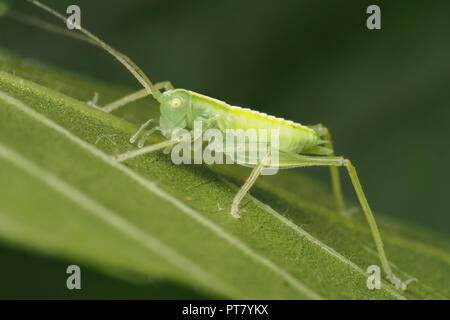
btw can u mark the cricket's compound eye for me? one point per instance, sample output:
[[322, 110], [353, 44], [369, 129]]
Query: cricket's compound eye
[[175, 103]]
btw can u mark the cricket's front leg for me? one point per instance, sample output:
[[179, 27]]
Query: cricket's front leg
[[151, 148], [147, 134]]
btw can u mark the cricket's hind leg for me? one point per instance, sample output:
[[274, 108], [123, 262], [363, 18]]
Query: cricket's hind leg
[[324, 133], [166, 85], [294, 160]]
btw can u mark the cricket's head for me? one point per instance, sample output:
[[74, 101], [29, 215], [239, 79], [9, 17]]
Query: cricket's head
[[175, 105]]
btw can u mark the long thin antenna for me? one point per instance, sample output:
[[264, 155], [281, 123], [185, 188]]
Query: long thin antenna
[[127, 62], [44, 25]]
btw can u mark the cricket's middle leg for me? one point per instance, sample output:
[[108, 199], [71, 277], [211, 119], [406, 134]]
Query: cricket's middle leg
[[247, 185]]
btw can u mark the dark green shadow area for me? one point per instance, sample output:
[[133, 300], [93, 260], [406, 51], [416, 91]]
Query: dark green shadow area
[[25, 275]]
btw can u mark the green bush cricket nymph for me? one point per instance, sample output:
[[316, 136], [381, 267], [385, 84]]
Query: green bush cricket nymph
[[299, 145]]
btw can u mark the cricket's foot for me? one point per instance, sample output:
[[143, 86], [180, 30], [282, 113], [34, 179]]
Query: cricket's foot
[[235, 211], [93, 102], [398, 283]]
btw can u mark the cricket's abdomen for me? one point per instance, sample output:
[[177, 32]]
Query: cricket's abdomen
[[293, 137]]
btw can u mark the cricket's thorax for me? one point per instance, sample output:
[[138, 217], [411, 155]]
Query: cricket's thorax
[[293, 137]]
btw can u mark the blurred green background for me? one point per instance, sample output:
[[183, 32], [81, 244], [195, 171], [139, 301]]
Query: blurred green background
[[384, 94]]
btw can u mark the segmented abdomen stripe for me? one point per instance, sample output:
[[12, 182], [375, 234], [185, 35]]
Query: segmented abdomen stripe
[[293, 136]]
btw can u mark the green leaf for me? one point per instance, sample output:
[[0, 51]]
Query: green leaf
[[148, 221]]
